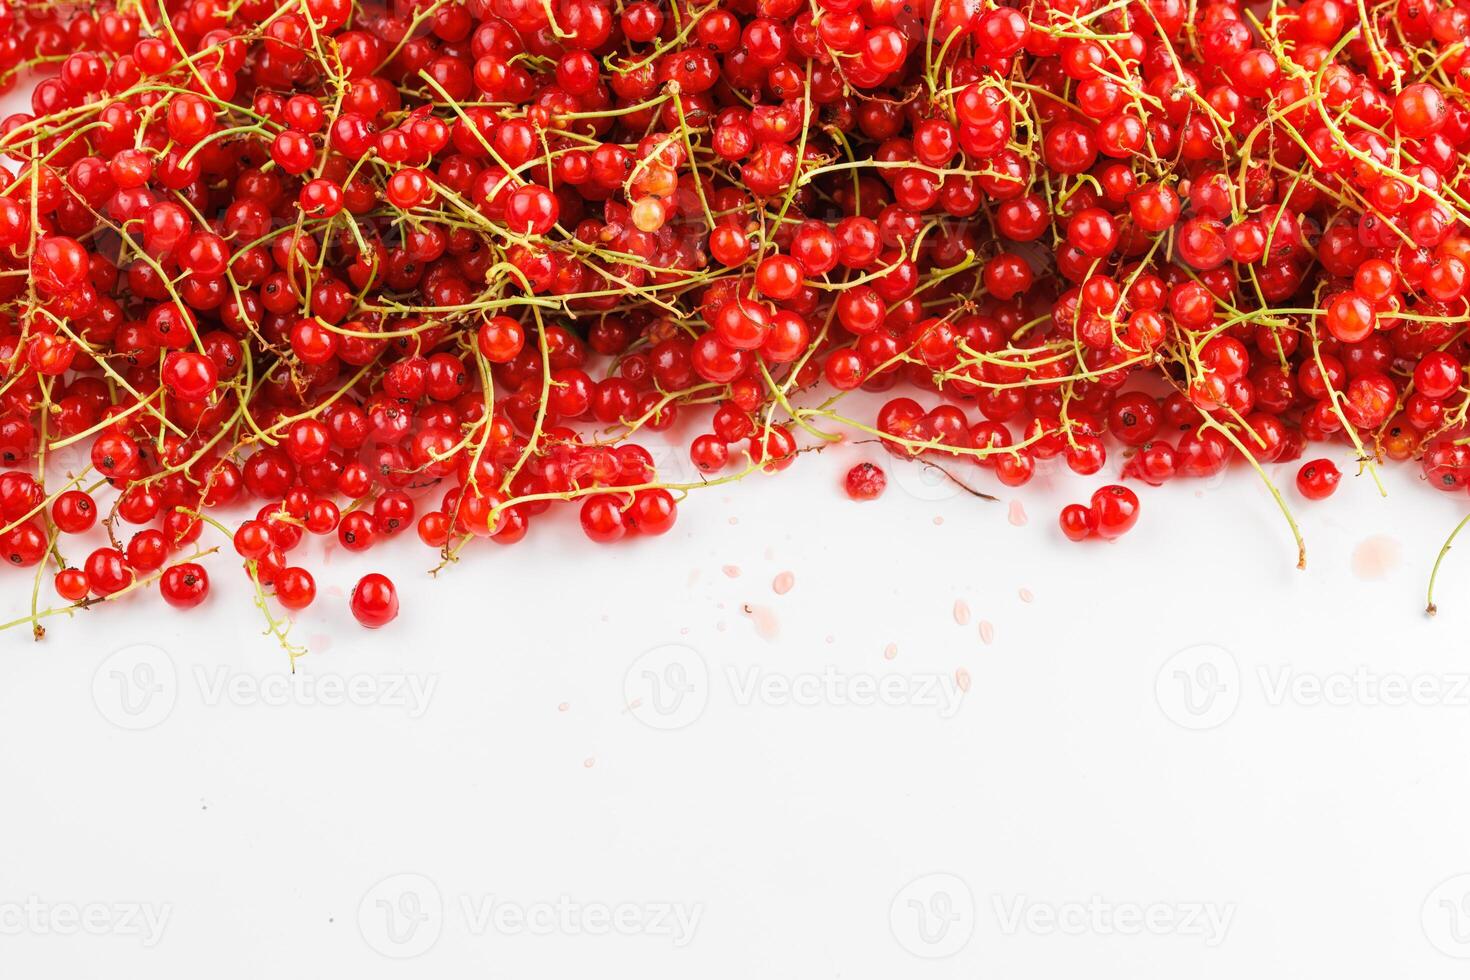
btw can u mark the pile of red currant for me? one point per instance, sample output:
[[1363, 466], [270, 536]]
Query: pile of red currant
[[449, 265]]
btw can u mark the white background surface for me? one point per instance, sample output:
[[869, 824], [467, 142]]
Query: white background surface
[[1143, 780]]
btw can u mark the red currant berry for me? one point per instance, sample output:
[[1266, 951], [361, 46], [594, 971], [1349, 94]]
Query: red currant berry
[[1077, 522], [184, 586], [1114, 509], [374, 601], [1318, 479], [865, 481]]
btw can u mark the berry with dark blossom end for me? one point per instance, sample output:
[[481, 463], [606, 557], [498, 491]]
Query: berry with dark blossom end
[[865, 481], [74, 511], [358, 531], [185, 585], [1318, 479], [1114, 510], [709, 453], [23, 546]]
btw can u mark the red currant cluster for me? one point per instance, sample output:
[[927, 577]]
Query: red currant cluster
[[443, 263]]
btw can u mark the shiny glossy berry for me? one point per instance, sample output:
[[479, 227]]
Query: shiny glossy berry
[[602, 518], [71, 584], [374, 601], [1077, 522], [185, 585], [1318, 479], [74, 511], [295, 587], [1114, 510]]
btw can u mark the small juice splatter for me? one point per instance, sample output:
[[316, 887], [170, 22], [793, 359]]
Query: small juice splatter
[[987, 632], [1375, 557], [961, 612], [1017, 515], [783, 583], [767, 627]]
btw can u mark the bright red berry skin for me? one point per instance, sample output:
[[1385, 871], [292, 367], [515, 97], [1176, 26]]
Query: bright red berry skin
[[147, 551], [1318, 479], [357, 531], [107, 571], [374, 601], [295, 588], [74, 511], [190, 376], [865, 481], [1077, 522], [1114, 510], [602, 518], [252, 539], [1437, 374], [654, 511], [709, 453], [71, 584], [23, 546], [185, 585]]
